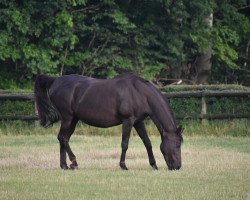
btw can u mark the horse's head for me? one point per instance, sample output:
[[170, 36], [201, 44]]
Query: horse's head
[[171, 148]]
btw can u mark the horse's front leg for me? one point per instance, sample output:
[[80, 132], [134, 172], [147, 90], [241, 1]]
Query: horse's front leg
[[141, 130], [126, 129]]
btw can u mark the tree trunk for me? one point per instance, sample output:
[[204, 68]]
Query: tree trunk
[[203, 62], [203, 67]]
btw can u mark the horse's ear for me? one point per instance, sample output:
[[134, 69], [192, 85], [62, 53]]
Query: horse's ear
[[179, 130]]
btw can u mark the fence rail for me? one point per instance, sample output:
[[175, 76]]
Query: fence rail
[[200, 94], [197, 94], [214, 116], [17, 97], [19, 117]]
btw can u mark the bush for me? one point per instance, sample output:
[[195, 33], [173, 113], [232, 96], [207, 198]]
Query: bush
[[8, 107], [222, 87], [17, 107], [215, 105]]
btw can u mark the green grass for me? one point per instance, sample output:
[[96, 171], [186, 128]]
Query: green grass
[[213, 168], [192, 128], [237, 127]]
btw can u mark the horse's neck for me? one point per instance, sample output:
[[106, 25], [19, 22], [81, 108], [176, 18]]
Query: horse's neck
[[162, 115]]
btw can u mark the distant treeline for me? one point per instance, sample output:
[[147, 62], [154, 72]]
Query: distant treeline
[[103, 38]]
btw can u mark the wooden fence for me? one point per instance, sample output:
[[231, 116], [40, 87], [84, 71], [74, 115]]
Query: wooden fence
[[202, 95], [19, 97], [198, 94]]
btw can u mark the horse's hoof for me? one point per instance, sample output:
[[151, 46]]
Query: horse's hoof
[[73, 167], [64, 167], [154, 166], [123, 166]]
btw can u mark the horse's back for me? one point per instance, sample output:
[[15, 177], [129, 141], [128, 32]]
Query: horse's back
[[101, 102]]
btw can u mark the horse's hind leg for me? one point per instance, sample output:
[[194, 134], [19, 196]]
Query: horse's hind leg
[[126, 129], [66, 130], [141, 130]]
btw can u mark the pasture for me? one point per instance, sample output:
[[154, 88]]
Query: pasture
[[213, 168]]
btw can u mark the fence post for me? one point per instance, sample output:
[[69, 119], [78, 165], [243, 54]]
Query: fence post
[[203, 109], [36, 113]]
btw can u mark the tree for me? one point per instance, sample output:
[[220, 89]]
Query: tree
[[103, 38], [230, 37]]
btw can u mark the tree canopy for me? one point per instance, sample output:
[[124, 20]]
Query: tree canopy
[[103, 38]]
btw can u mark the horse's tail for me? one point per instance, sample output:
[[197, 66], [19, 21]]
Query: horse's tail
[[47, 113]]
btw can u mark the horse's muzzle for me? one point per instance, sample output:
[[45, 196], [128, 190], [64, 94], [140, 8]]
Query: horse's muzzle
[[172, 166]]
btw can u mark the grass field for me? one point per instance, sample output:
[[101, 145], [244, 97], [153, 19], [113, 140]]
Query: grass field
[[236, 127], [213, 168]]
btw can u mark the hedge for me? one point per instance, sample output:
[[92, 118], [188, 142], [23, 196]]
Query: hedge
[[215, 105], [221, 87], [181, 106]]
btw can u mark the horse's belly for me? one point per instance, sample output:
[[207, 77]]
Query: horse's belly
[[101, 124], [99, 118]]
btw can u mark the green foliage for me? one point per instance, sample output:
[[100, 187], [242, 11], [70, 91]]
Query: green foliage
[[231, 105], [190, 106], [17, 108], [221, 87], [221, 38], [121, 21], [235, 128], [13, 84], [185, 106], [106, 37], [10, 83], [215, 105]]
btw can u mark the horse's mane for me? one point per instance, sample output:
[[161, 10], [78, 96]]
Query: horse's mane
[[131, 75]]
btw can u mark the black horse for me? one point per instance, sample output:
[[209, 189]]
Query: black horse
[[127, 99]]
